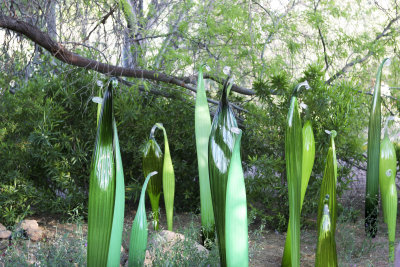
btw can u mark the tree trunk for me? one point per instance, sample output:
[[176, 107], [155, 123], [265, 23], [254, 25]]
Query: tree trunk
[[51, 21]]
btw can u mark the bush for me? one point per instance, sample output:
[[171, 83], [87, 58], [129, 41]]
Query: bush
[[48, 127], [45, 147], [339, 107], [136, 114], [47, 134]]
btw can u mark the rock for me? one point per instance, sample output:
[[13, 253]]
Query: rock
[[5, 234], [35, 235], [148, 260], [29, 224], [171, 239], [168, 242], [32, 230]]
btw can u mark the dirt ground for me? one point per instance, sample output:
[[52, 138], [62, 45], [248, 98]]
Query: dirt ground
[[265, 246]]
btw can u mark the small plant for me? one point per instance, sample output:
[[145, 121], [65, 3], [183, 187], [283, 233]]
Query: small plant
[[349, 214]]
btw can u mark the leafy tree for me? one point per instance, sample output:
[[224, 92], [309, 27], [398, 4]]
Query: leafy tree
[[154, 47]]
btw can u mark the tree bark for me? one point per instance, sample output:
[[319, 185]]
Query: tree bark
[[51, 20], [64, 55]]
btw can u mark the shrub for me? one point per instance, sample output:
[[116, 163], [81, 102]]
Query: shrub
[[47, 133], [338, 107]]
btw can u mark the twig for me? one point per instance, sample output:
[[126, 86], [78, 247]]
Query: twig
[[370, 53], [102, 21]]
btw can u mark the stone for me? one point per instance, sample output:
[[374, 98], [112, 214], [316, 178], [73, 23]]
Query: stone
[[168, 242], [5, 234], [29, 224], [2, 227], [34, 235], [170, 239], [32, 229]]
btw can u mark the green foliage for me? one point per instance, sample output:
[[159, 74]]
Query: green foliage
[[44, 147], [267, 195], [338, 106], [66, 249], [47, 132], [49, 172], [15, 199], [137, 114]]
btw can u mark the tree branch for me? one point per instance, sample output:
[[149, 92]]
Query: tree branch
[[324, 46], [236, 88], [275, 23], [172, 96], [370, 52], [102, 21], [64, 55], [168, 95]]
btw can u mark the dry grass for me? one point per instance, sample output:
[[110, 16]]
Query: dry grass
[[65, 244]]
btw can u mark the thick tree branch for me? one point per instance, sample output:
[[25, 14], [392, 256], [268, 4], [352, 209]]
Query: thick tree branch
[[369, 54], [63, 54]]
